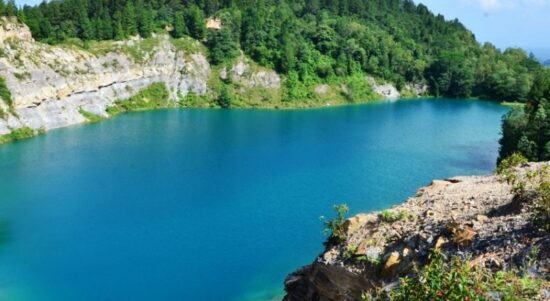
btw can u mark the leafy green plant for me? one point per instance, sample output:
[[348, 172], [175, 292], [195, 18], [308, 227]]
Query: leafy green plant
[[389, 216], [334, 227], [542, 204], [456, 280], [508, 164]]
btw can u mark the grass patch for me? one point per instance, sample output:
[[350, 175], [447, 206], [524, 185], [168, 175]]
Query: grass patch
[[5, 93], [188, 45], [155, 96], [513, 104], [20, 134], [91, 117]]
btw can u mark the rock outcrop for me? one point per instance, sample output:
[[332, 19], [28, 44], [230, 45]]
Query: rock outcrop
[[51, 85], [472, 217]]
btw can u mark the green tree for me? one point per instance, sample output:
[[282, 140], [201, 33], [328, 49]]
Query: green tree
[[129, 20], [221, 45], [179, 26], [196, 23], [224, 98]]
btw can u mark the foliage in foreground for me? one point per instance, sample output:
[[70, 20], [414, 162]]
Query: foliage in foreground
[[542, 204], [456, 280], [535, 181]]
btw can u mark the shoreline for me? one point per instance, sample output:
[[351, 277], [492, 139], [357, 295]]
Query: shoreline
[[478, 219], [25, 133]]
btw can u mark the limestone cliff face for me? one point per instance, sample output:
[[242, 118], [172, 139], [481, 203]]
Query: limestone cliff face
[[49, 85]]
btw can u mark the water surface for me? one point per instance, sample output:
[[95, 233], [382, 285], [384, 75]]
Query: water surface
[[214, 204]]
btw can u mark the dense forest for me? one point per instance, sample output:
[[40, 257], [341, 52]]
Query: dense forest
[[308, 40], [320, 41]]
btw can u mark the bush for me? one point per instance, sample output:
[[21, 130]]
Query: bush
[[508, 164], [224, 99], [542, 204], [456, 280], [334, 227]]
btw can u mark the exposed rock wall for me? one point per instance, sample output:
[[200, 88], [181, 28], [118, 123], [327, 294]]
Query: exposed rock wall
[[49, 85]]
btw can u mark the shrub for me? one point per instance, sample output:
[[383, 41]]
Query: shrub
[[334, 227], [511, 162], [542, 204], [456, 280], [388, 216], [224, 99]]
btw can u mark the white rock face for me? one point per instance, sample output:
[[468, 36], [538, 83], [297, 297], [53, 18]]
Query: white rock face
[[242, 72], [49, 85], [388, 91]]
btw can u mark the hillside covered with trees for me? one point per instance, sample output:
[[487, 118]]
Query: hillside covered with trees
[[310, 41], [314, 42]]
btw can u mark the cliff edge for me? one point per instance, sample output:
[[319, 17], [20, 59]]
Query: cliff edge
[[480, 219]]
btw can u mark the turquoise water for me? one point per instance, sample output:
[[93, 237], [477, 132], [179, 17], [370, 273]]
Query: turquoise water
[[212, 204]]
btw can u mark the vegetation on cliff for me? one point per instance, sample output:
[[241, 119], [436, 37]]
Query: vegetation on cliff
[[526, 130], [20, 134], [152, 97], [310, 41]]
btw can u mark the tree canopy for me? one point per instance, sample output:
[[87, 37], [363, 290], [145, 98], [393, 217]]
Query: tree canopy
[[310, 41]]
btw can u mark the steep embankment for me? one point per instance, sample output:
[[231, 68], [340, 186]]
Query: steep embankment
[[476, 218], [51, 86], [59, 86]]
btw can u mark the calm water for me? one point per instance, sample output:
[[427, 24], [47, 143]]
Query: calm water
[[210, 204]]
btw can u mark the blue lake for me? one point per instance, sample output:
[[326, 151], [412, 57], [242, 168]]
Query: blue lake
[[215, 204]]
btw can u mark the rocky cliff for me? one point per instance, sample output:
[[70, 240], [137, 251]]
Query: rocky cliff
[[476, 218], [51, 86]]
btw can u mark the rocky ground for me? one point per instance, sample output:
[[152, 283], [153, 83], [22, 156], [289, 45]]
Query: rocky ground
[[477, 218]]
